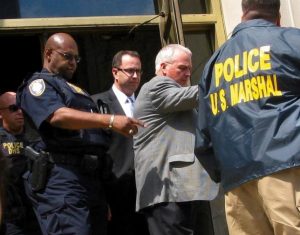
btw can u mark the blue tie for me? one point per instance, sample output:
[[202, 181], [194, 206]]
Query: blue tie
[[130, 102]]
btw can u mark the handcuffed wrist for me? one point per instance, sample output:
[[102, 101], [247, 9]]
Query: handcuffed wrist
[[111, 121]]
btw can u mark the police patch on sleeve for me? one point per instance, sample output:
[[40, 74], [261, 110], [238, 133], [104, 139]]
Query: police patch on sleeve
[[37, 87]]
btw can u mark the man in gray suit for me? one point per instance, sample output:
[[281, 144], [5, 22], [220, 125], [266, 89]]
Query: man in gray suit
[[121, 191], [171, 183]]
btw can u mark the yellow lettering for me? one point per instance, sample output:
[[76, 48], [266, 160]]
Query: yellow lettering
[[264, 58], [241, 64], [245, 62], [269, 86], [214, 103], [261, 86], [276, 91], [234, 94], [223, 100], [255, 92], [252, 65], [228, 69], [248, 90], [242, 95], [13, 148], [218, 73]]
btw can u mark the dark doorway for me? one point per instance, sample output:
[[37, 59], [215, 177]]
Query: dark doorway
[[20, 56], [98, 48]]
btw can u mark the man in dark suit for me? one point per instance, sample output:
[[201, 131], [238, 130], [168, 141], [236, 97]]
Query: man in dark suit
[[121, 191]]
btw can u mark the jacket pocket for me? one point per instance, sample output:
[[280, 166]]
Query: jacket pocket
[[188, 158]]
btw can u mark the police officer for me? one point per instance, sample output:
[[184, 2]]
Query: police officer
[[249, 109], [17, 207], [3, 165], [74, 139], [2, 168]]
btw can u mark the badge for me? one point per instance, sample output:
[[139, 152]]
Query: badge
[[37, 87], [76, 89]]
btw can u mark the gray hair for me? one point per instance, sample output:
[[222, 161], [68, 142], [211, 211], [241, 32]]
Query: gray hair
[[166, 54]]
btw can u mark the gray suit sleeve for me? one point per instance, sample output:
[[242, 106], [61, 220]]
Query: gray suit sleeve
[[168, 96]]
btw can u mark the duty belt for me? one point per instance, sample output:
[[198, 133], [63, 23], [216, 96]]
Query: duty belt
[[66, 159], [86, 162]]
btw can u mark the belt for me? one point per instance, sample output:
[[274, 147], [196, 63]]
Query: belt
[[66, 159]]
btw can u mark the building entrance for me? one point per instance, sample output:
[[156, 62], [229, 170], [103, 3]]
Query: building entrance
[[22, 55]]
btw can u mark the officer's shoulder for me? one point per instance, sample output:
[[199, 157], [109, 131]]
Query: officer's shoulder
[[39, 76], [3, 132]]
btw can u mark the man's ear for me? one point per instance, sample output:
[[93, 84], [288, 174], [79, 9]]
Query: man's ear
[[244, 15], [48, 52], [278, 21], [114, 71], [163, 68]]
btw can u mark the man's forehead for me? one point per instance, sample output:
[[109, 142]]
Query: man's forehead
[[8, 97]]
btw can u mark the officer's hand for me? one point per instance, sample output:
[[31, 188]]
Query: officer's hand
[[126, 125]]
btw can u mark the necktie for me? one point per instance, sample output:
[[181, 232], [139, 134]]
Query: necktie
[[130, 104]]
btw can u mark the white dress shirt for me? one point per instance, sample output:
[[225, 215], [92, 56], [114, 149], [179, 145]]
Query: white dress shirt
[[126, 102]]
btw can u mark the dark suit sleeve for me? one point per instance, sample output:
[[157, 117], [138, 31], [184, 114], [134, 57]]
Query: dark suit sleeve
[[203, 147]]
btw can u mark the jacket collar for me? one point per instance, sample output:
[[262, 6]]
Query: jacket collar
[[252, 23]]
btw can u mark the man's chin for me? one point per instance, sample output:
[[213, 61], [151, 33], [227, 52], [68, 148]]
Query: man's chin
[[20, 122]]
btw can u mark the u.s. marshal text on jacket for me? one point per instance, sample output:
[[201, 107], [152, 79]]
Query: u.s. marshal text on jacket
[[251, 91]]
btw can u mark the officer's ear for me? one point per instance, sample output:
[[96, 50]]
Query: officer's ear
[[47, 54]]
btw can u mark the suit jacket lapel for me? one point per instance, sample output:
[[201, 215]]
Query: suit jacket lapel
[[114, 103]]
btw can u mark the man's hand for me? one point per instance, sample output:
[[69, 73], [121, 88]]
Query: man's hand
[[126, 126]]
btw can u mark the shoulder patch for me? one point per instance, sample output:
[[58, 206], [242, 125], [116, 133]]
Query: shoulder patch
[[76, 89], [37, 87]]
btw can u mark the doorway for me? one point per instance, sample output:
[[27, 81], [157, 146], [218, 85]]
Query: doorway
[[22, 55], [98, 48]]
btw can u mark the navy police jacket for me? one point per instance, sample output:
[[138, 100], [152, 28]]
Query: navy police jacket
[[44, 93], [249, 108], [12, 147]]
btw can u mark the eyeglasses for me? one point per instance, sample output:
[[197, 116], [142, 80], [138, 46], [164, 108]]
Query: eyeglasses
[[12, 108], [68, 56], [130, 72]]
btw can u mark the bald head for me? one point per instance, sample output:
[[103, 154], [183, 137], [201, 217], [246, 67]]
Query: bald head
[[261, 9], [59, 40], [61, 55], [7, 98], [11, 115]]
